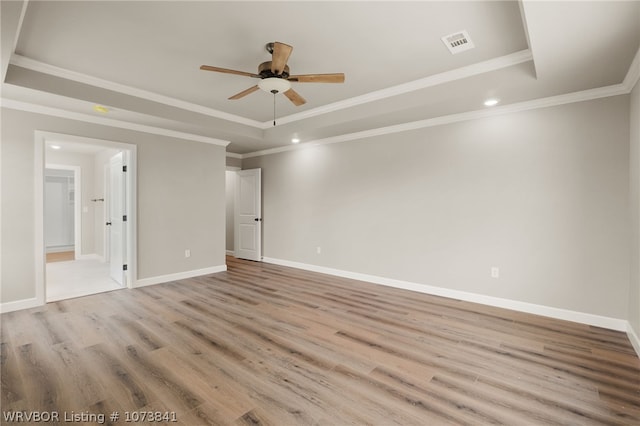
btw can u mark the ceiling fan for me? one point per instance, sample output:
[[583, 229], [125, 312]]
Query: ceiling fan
[[275, 77]]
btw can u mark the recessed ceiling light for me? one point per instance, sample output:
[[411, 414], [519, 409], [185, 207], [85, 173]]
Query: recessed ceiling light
[[491, 102], [100, 109], [295, 140], [55, 146]]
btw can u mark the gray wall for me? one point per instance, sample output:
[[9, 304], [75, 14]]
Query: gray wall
[[181, 197], [634, 191], [541, 194], [234, 162]]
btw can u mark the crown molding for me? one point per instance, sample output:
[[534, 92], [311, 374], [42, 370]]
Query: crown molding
[[23, 12], [633, 75], [423, 83], [630, 80], [525, 26], [430, 81], [55, 112], [32, 64], [585, 95]]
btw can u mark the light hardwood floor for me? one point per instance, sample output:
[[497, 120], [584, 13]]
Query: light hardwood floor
[[264, 344], [61, 256]]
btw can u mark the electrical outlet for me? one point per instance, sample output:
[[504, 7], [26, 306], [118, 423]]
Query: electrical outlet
[[187, 253], [495, 272], [319, 250]]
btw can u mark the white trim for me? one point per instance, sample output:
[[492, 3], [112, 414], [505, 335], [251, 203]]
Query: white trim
[[18, 305], [231, 253], [430, 81], [91, 256], [56, 112], [547, 311], [525, 25], [625, 87], [179, 276], [422, 83], [77, 201], [633, 75], [32, 64], [60, 249], [130, 157], [633, 338], [38, 201], [585, 95], [23, 12]]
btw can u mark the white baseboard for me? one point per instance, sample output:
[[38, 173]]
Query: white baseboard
[[91, 256], [231, 253], [19, 305], [633, 338], [59, 249], [178, 276], [547, 311]]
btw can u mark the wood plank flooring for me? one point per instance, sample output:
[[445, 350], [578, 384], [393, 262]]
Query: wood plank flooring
[[264, 344], [61, 256]]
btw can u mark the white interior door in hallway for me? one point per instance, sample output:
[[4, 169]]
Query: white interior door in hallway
[[248, 215], [117, 217]]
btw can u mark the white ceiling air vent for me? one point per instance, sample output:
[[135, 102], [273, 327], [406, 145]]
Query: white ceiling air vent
[[458, 42]]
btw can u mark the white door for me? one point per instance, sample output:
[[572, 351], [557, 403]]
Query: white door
[[116, 217], [248, 215]]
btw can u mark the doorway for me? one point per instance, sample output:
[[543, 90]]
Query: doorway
[[104, 245]]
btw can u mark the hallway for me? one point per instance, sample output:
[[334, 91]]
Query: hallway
[[66, 280]]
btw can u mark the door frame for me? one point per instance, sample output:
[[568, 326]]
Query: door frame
[[130, 151], [234, 170], [77, 209]]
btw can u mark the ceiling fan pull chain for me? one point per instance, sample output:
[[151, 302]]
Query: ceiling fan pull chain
[[274, 106]]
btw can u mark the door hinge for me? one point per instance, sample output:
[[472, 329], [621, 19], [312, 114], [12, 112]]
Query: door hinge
[[124, 267], [124, 168], [124, 218]]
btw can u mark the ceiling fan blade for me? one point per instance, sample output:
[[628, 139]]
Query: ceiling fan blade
[[244, 93], [280, 56], [228, 71], [295, 97], [318, 78]]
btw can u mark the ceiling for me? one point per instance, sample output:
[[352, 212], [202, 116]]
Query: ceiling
[[142, 59]]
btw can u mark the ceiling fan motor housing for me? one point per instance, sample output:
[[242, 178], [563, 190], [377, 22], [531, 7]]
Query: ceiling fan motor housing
[[264, 70]]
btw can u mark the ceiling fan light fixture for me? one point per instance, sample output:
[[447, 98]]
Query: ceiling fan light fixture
[[270, 84]]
